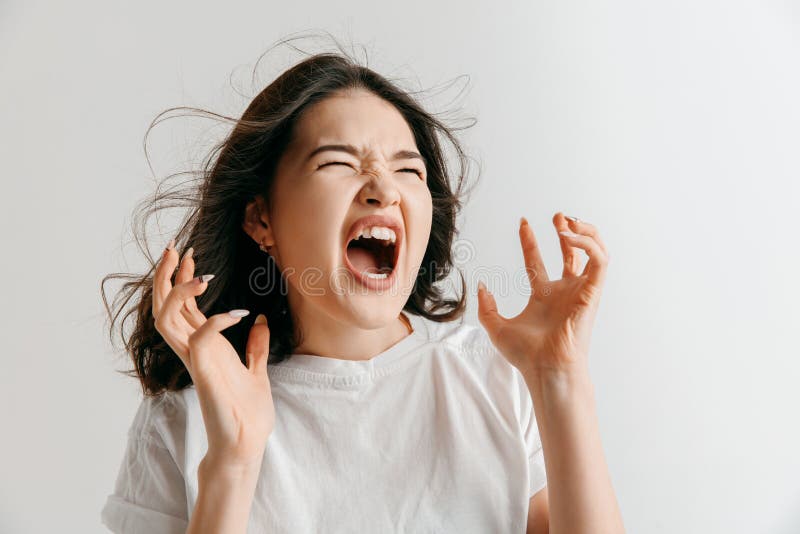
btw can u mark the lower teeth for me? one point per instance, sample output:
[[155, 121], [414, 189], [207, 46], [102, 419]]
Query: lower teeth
[[378, 276]]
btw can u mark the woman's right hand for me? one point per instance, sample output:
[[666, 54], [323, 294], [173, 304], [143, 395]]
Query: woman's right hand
[[235, 400]]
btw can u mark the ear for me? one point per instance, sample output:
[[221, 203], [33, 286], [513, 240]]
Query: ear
[[256, 221]]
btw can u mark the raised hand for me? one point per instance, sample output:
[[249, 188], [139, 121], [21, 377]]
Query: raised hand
[[552, 333], [235, 400]]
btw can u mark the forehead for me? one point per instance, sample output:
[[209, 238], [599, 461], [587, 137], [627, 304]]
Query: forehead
[[358, 118]]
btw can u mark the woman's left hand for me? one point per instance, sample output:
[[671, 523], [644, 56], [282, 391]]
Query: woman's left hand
[[551, 335]]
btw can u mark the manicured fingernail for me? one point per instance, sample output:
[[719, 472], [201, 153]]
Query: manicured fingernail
[[171, 244], [523, 220], [568, 233], [261, 319], [204, 278], [188, 253], [238, 313], [571, 218]]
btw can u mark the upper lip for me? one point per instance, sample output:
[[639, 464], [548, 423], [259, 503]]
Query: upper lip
[[377, 220]]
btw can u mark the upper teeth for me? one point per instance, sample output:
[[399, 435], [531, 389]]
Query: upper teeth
[[378, 232]]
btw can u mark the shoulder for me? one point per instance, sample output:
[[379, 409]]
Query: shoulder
[[471, 344], [470, 347], [159, 419], [477, 365], [461, 335]]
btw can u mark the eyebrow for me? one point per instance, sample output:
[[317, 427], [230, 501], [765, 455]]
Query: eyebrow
[[350, 149]]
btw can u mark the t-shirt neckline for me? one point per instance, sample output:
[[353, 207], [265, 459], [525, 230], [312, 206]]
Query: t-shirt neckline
[[342, 367]]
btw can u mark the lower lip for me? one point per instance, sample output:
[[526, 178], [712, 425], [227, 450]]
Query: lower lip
[[375, 284]]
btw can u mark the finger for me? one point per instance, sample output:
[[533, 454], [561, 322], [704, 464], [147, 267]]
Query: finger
[[214, 325], [568, 252], [171, 319], [185, 273], [257, 351], [487, 310], [582, 227], [534, 266], [596, 266], [162, 279]]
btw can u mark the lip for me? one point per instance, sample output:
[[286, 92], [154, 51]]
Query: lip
[[355, 230]]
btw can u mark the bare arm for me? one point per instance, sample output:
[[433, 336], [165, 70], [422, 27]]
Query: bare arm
[[539, 513], [548, 342], [235, 399], [224, 498], [580, 493]]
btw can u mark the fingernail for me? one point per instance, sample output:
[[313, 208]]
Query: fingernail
[[188, 253], [571, 218], [261, 319], [238, 313], [523, 220], [481, 285], [171, 244], [204, 278], [568, 233]]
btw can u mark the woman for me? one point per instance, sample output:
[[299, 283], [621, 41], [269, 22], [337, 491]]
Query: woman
[[354, 401]]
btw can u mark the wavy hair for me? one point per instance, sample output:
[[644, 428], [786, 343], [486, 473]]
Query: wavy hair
[[242, 166]]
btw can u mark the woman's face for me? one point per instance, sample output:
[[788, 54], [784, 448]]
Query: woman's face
[[320, 198]]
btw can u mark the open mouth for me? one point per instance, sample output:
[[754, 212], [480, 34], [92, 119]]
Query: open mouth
[[373, 256]]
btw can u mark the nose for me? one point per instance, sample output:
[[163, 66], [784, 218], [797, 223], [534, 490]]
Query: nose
[[380, 190]]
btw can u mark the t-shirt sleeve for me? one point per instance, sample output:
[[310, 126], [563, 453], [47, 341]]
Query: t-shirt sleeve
[[533, 442], [149, 493], [512, 395]]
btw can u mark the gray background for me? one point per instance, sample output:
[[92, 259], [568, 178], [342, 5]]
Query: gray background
[[672, 126]]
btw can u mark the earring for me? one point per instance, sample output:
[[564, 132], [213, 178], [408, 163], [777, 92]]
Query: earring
[[264, 248]]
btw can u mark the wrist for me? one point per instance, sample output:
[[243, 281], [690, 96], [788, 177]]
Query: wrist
[[225, 495], [559, 383], [213, 467]]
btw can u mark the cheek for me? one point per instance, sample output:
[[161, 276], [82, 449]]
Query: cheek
[[420, 215], [309, 234]]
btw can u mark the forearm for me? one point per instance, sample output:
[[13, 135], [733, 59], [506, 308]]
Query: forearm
[[225, 495], [580, 492]]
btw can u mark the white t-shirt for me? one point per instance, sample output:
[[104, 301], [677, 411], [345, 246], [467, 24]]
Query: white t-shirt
[[435, 434]]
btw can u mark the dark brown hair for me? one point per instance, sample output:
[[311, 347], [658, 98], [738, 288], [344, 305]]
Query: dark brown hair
[[241, 167]]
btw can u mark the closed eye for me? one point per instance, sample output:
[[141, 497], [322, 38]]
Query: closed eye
[[409, 169], [334, 163], [415, 171]]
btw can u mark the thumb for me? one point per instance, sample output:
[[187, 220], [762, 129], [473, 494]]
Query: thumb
[[257, 351], [487, 310]]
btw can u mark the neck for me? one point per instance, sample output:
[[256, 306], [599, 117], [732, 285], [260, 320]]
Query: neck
[[331, 337]]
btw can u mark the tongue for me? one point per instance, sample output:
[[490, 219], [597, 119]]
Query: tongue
[[362, 260]]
